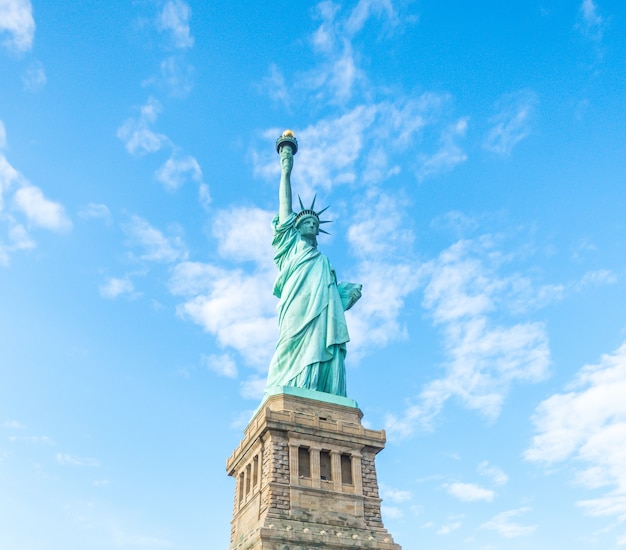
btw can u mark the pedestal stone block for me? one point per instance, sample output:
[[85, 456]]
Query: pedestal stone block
[[306, 478]]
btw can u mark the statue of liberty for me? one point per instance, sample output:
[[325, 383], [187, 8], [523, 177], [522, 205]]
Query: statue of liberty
[[313, 333]]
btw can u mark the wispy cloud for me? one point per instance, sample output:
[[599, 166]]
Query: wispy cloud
[[381, 240], [452, 524], [13, 425], [34, 77], [70, 460], [114, 287], [235, 305], [469, 492], [492, 472], [154, 245], [136, 134], [449, 153], [177, 169], [512, 121], [244, 234], [252, 388], [395, 495], [39, 210], [223, 364], [590, 23], [504, 523], [369, 140], [27, 201], [174, 18], [16, 21], [586, 426], [176, 75], [95, 211], [464, 294], [237, 308], [336, 74]]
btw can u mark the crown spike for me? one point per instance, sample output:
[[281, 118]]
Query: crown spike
[[305, 212], [322, 210]]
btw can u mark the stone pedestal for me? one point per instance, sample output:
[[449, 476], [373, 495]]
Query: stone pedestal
[[306, 479]]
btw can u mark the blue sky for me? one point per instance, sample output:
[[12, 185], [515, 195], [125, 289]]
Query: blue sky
[[474, 157]]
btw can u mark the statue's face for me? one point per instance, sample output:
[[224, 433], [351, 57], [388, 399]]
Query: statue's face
[[309, 226]]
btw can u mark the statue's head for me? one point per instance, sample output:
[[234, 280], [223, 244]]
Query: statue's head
[[306, 216], [308, 223]]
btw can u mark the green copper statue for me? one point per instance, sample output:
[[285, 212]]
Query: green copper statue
[[313, 333]]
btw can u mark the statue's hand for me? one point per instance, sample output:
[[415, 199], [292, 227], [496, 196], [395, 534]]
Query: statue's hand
[[350, 294], [286, 160]]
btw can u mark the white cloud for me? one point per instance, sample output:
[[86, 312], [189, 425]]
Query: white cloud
[[156, 246], [252, 388], [234, 305], [176, 75], [395, 495], [496, 475], [95, 211], [468, 492], [464, 291], [366, 140], [39, 210], [591, 24], [16, 20], [595, 278], [392, 512], [365, 9], [586, 426], [448, 155], [224, 365], [136, 134], [34, 77], [511, 122], [114, 287], [337, 75], [69, 460], [245, 234], [453, 523], [19, 237], [175, 18], [381, 239], [177, 170], [237, 308], [204, 196], [13, 424], [504, 524], [275, 86], [9, 176]]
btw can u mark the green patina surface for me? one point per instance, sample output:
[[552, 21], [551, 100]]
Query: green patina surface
[[313, 333]]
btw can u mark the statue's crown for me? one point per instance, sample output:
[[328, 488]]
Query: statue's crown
[[305, 212]]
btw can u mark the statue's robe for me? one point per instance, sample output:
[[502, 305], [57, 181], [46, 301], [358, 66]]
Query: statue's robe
[[313, 332]]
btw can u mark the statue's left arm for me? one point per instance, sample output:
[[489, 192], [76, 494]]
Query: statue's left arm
[[350, 294]]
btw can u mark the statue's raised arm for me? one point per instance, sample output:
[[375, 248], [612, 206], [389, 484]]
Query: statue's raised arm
[[284, 192], [311, 347]]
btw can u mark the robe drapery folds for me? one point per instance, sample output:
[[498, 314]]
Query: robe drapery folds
[[312, 326]]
